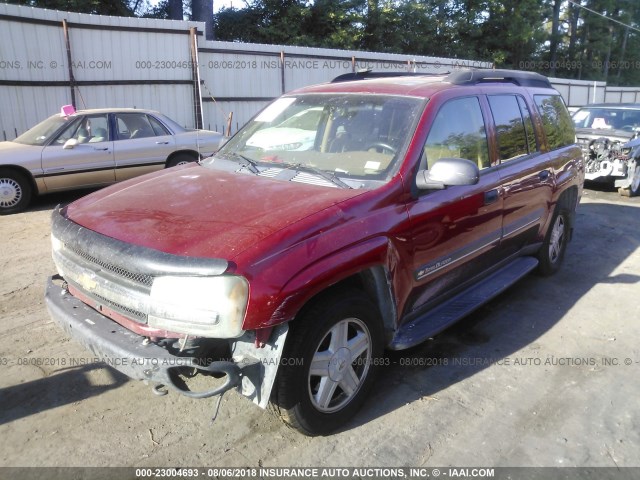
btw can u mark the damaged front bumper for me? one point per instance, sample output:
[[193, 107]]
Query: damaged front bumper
[[252, 372]]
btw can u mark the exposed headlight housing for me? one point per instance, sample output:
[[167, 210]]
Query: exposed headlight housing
[[56, 248], [56, 244], [203, 306]]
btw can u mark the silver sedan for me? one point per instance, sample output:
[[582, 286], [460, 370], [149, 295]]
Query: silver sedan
[[92, 148]]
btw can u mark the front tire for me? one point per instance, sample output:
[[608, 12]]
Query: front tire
[[553, 248], [15, 191], [330, 363], [634, 188]]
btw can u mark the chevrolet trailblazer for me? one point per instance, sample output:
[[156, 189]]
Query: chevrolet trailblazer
[[285, 268]]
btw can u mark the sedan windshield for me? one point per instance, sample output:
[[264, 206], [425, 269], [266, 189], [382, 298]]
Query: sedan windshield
[[605, 118], [354, 138], [40, 134]]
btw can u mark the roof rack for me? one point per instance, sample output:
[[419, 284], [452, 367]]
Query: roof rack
[[518, 77], [460, 77], [369, 74]]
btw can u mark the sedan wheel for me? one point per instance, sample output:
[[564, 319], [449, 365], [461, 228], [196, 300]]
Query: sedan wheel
[[15, 192], [180, 159]]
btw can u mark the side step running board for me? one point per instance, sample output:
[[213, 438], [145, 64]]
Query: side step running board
[[444, 315]]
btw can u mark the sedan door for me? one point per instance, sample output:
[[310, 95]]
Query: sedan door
[[88, 162], [142, 144]]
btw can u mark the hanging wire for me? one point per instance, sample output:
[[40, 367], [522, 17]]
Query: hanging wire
[[215, 413], [84, 105], [225, 114], [603, 16]]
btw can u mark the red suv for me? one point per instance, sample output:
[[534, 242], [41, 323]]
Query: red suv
[[365, 214]]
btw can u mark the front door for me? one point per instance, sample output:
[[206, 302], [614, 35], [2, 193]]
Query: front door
[[456, 232], [87, 164]]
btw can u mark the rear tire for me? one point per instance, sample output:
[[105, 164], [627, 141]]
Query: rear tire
[[15, 191], [330, 363], [553, 248], [180, 159]]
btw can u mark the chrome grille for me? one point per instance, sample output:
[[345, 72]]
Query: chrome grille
[[140, 278], [128, 312]]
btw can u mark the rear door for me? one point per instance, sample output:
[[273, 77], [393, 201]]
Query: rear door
[[526, 172], [142, 144], [455, 232]]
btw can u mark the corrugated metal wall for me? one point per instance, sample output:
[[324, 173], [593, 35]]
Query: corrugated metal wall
[[116, 62], [147, 63]]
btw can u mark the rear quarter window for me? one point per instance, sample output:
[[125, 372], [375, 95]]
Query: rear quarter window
[[556, 121]]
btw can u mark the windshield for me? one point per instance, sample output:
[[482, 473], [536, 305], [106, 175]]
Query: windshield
[[354, 138], [604, 118], [39, 135]]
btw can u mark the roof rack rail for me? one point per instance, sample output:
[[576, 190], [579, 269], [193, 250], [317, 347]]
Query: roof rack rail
[[369, 74], [518, 77]]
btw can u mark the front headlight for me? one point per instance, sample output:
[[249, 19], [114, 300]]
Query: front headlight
[[203, 306]]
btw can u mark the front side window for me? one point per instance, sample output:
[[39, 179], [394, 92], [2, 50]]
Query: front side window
[[88, 129], [557, 124], [458, 131], [512, 138], [348, 136]]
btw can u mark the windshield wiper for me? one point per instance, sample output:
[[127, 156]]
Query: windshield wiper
[[321, 173], [246, 162]]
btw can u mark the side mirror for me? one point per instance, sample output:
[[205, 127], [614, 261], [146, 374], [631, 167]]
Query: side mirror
[[69, 144], [448, 172]]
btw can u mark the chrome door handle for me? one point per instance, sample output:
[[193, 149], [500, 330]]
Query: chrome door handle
[[101, 148], [162, 143]]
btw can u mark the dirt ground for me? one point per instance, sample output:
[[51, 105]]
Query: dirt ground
[[545, 375]]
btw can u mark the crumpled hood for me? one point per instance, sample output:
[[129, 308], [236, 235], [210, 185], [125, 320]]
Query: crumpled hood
[[196, 211]]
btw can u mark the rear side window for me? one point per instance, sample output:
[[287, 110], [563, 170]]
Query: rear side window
[[134, 125], [528, 124], [512, 138], [158, 128], [556, 121]]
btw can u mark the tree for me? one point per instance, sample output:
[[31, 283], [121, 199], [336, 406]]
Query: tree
[[175, 9], [202, 11]]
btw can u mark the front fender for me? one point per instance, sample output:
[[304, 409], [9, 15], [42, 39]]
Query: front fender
[[326, 272]]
